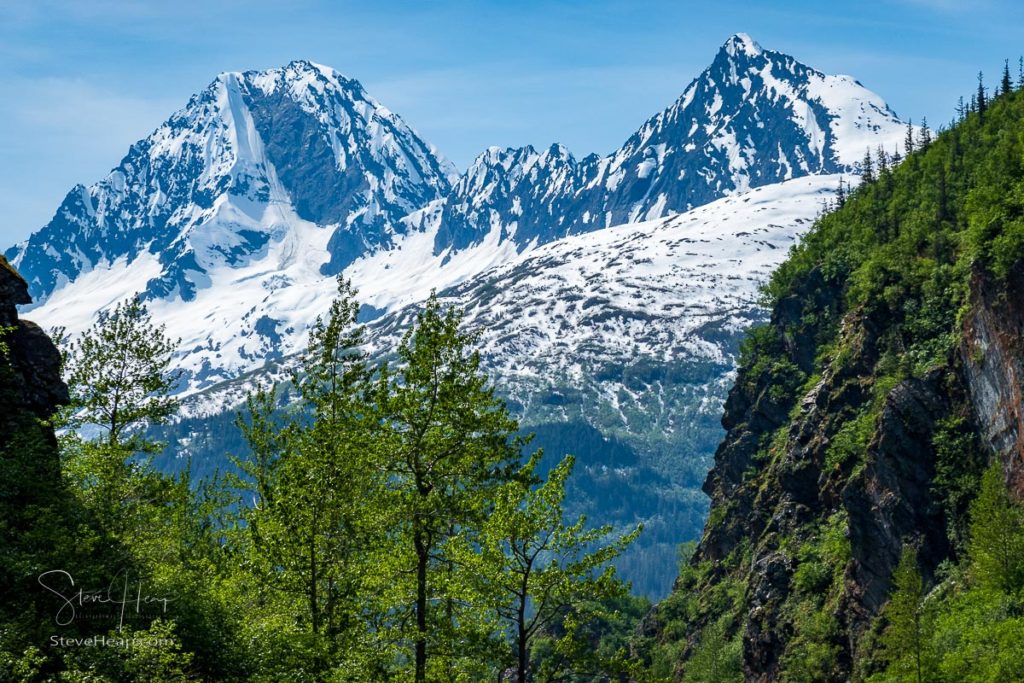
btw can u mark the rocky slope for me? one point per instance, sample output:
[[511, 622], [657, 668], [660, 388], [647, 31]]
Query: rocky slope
[[37, 521], [32, 384]]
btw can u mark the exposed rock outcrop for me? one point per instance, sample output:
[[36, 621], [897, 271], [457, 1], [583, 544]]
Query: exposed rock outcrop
[[34, 384], [992, 352]]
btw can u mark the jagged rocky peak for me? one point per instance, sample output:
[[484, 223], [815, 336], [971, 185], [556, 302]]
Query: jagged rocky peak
[[753, 117], [741, 44], [254, 157]]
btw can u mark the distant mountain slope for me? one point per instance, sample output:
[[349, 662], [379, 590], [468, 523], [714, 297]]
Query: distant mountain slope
[[754, 117], [249, 162]]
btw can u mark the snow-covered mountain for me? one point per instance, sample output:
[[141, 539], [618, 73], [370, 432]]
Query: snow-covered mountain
[[754, 117], [231, 216], [252, 162]]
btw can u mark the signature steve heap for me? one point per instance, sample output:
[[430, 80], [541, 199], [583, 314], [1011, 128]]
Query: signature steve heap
[[122, 596]]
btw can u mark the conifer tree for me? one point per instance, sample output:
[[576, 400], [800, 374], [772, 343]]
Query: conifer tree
[[119, 380], [925, 137], [841, 194], [1006, 84], [908, 140], [980, 101], [867, 174], [907, 639], [883, 162], [996, 547], [119, 374], [1020, 72]]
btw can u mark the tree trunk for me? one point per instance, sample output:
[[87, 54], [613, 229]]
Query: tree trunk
[[422, 557], [523, 657]]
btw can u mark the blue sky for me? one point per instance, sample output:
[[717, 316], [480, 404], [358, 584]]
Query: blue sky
[[84, 79]]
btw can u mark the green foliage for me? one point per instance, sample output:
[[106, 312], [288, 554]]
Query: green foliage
[[393, 532], [545, 578], [907, 639], [959, 462], [716, 658], [118, 378], [850, 444], [997, 535], [310, 487]]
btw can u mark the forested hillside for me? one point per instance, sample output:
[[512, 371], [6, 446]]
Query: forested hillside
[[866, 519]]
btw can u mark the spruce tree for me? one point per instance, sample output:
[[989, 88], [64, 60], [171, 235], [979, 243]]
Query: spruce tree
[[907, 638], [1006, 84], [119, 379], [925, 136], [980, 101], [996, 547], [119, 374], [908, 140], [867, 174], [883, 162]]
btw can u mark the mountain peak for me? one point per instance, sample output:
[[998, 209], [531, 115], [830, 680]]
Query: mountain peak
[[741, 43]]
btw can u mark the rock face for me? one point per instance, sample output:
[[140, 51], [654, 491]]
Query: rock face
[[32, 496], [32, 374], [992, 352]]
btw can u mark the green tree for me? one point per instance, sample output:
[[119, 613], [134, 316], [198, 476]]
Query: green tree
[[867, 173], [119, 374], [541, 575], [996, 547], [119, 379], [908, 140], [717, 658], [447, 448], [1006, 86], [907, 639], [924, 138], [311, 484], [980, 100]]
